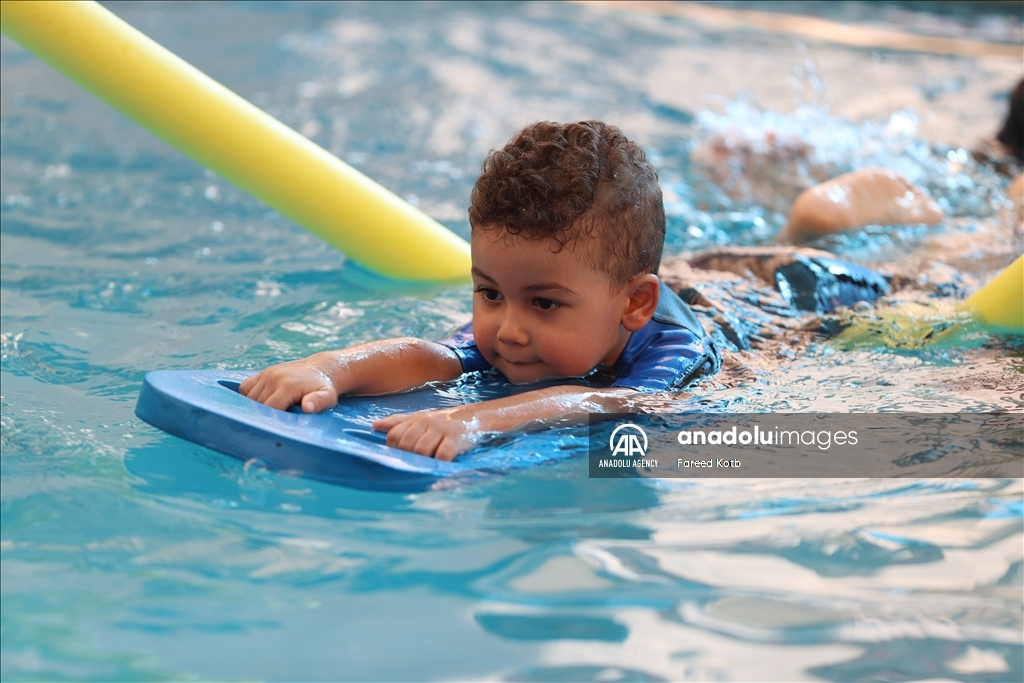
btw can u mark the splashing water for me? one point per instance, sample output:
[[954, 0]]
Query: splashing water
[[748, 165]]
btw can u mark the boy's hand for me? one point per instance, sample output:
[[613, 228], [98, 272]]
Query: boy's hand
[[301, 382], [438, 434]]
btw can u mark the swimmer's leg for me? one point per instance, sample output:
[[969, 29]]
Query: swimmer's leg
[[869, 196]]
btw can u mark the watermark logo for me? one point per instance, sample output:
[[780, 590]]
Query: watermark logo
[[625, 441], [820, 445]]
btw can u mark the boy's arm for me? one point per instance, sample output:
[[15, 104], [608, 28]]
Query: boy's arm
[[445, 433], [380, 367]]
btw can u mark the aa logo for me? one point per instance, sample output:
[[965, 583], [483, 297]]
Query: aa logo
[[626, 441]]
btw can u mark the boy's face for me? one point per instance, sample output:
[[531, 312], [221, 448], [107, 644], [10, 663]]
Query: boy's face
[[539, 314]]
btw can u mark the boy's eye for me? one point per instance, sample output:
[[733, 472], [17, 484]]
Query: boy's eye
[[546, 304], [489, 294]]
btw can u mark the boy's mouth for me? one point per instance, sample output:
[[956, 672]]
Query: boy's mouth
[[517, 366], [514, 360], [502, 357]]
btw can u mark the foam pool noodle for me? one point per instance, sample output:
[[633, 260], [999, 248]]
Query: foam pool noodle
[[1001, 301], [235, 139]]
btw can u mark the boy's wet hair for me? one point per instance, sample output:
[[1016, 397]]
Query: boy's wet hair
[[565, 181]]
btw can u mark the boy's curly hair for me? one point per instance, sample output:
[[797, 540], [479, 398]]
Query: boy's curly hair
[[570, 180]]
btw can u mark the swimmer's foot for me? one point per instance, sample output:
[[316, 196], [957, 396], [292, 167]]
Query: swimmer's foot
[[869, 196]]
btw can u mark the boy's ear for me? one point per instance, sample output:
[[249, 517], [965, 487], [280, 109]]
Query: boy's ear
[[643, 299]]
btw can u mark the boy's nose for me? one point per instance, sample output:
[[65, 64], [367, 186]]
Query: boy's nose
[[511, 331]]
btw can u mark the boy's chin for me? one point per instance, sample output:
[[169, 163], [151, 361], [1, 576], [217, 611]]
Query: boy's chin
[[526, 378], [523, 373], [520, 375]]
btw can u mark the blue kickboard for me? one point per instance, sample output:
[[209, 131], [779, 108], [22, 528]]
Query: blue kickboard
[[336, 446]]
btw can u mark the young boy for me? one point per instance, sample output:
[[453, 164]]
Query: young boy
[[567, 227]]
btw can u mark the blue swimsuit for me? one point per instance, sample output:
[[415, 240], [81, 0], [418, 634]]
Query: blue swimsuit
[[667, 353]]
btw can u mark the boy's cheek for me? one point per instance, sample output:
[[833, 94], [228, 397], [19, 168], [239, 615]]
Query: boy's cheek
[[571, 356], [486, 349], [484, 334]]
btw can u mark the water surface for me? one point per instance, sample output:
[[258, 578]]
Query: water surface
[[131, 555]]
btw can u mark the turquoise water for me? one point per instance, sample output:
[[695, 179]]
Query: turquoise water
[[130, 555]]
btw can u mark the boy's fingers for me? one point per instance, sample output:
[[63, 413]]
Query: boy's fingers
[[252, 386], [420, 436], [247, 384], [282, 399], [259, 392], [427, 443], [319, 400], [447, 450], [406, 435], [395, 432], [266, 395], [386, 423]]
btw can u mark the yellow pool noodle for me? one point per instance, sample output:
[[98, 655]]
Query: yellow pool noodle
[[1001, 301], [236, 139]]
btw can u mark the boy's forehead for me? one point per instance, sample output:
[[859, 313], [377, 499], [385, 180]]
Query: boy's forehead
[[545, 249], [578, 245], [571, 264]]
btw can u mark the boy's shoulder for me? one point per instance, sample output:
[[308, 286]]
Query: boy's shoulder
[[669, 352]]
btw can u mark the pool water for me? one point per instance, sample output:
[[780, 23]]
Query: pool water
[[128, 554]]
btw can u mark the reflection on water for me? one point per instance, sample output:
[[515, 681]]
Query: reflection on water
[[128, 554]]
